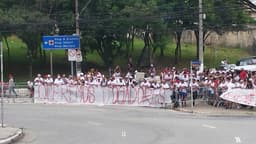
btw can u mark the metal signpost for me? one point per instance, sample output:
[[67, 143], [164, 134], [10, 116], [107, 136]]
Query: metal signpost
[[72, 58], [61, 42]]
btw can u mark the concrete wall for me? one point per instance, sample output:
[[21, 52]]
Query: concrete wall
[[242, 39]]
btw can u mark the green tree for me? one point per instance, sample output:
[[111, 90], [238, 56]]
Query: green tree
[[27, 20], [222, 16], [178, 16]]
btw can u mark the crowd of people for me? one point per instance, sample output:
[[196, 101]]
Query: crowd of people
[[209, 84]]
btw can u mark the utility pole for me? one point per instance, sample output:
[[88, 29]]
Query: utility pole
[[78, 64], [77, 17], [201, 37], [2, 86]]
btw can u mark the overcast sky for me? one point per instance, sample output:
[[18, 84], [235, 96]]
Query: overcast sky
[[253, 1]]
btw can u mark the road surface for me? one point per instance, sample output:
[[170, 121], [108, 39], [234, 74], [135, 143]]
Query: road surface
[[80, 124]]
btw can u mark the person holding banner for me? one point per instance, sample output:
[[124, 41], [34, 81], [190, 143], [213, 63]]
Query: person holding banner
[[38, 80], [117, 71], [48, 80], [59, 80]]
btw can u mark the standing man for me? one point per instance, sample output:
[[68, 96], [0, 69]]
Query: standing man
[[11, 85], [195, 88]]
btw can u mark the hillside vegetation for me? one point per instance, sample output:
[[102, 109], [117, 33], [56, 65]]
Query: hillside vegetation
[[18, 61]]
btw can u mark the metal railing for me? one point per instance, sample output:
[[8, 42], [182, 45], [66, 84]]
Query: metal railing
[[21, 89]]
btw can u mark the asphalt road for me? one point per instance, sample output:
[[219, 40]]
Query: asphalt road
[[76, 124]]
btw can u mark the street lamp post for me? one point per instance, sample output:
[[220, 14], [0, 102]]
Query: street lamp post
[[201, 41], [2, 86], [78, 64]]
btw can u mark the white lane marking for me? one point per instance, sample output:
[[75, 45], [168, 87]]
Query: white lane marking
[[100, 105], [123, 133], [238, 140], [209, 126], [94, 123]]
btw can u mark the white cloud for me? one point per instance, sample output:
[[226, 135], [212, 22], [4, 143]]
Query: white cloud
[[253, 1]]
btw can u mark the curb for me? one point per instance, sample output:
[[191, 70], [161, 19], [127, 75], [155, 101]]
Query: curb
[[213, 114], [184, 111], [13, 138]]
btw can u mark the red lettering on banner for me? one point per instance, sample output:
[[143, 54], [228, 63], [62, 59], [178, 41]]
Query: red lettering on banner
[[38, 92], [56, 93], [90, 94], [129, 95], [248, 99], [161, 98], [81, 93], [242, 96], [115, 96], [140, 94], [147, 94], [46, 92], [68, 93], [87, 94], [121, 95]]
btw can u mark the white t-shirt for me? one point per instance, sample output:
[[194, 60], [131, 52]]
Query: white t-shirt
[[165, 86], [194, 86], [145, 84], [48, 81], [167, 76], [155, 85], [183, 87], [230, 85], [38, 81], [58, 81]]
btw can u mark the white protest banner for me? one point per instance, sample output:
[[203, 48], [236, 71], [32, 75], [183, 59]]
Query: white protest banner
[[241, 96], [116, 95]]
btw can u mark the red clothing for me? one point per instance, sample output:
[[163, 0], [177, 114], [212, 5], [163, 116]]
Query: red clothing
[[243, 75]]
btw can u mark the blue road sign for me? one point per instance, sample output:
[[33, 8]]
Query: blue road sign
[[196, 62], [61, 42]]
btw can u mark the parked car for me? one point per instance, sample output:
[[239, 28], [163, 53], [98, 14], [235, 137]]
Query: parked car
[[227, 66], [248, 64]]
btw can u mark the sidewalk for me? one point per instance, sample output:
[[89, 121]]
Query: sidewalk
[[209, 110], [21, 100], [9, 135]]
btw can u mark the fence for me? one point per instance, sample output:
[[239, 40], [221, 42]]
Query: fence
[[21, 89]]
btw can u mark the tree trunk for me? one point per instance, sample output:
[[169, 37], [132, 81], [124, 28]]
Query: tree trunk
[[179, 44], [176, 54], [205, 36], [145, 53], [161, 48], [197, 43], [128, 44], [178, 47], [133, 33], [161, 51]]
